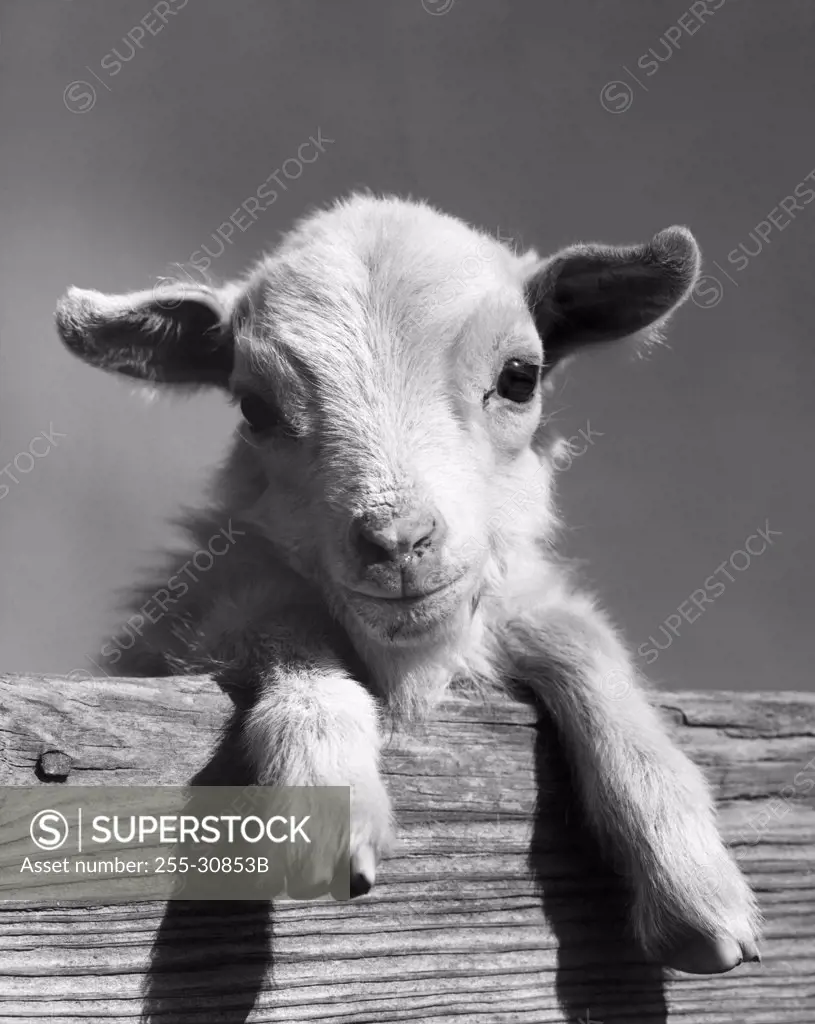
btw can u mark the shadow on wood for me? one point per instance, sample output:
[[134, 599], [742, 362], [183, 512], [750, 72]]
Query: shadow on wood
[[211, 957], [596, 979]]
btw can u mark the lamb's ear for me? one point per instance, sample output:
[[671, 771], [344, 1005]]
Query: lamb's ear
[[592, 293], [173, 335]]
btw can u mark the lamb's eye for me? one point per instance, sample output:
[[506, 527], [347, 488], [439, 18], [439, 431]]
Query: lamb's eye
[[259, 414], [518, 380]]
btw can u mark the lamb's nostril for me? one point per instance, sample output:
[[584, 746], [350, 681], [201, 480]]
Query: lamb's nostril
[[373, 546], [426, 540]]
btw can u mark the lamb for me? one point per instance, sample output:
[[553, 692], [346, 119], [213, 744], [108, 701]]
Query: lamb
[[392, 365]]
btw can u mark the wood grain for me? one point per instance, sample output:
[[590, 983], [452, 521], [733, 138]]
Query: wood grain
[[497, 908]]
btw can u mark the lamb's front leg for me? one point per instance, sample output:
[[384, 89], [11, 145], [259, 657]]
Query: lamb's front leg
[[316, 726], [647, 802]]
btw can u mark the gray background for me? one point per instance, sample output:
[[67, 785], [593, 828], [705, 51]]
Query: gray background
[[491, 110]]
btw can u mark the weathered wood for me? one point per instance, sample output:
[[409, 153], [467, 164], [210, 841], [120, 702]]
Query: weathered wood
[[464, 925]]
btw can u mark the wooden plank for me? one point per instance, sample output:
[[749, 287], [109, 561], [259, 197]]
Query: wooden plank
[[465, 925]]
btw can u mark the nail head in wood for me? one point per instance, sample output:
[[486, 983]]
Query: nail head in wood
[[54, 764]]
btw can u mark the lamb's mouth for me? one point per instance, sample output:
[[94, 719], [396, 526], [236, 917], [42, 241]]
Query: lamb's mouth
[[433, 588], [411, 614]]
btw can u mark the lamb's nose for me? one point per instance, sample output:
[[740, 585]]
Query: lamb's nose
[[398, 539]]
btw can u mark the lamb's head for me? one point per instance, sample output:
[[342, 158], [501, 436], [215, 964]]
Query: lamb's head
[[391, 364]]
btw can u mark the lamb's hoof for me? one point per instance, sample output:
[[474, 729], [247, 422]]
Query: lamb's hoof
[[360, 885], [359, 880], [363, 871], [709, 954]]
